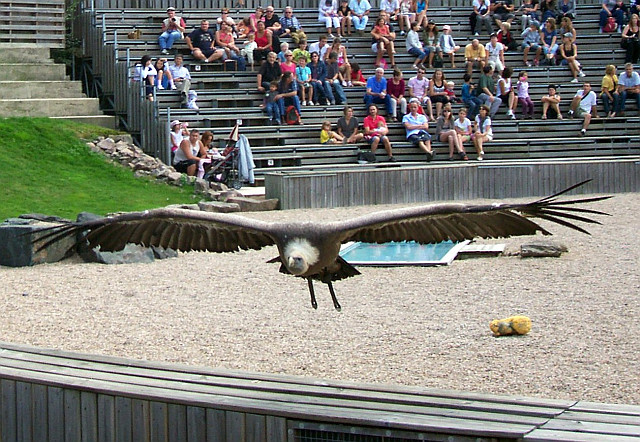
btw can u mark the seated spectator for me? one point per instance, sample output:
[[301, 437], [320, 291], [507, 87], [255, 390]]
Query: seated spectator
[[328, 16], [343, 60], [335, 80], [272, 23], [269, 71], [612, 8], [548, 9], [395, 90], [474, 55], [288, 94], [303, 75], [244, 28], [548, 39], [419, 89], [437, 90], [629, 87], [609, 92], [506, 92], [327, 136], [531, 40], [271, 105], [522, 89], [551, 104], [421, 11], [288, 65], [377, 92], [487, 91], [481, 17], [146, 73], [376, 130], [464, 129], [468, 95], [392, 8], [164, 80], [344, 13], [566, 8], [176, 135], [406, 16], [502, 11], [182, 80], [414, 46], [506, 38], [189, 153], [201, 42], [357, 79], [284, 47], [226, 41], [431, 39], [226, 18], [416, 126], [583, 105], [291, 26], [446, 132], [448, 45], [348, 127], [264, 42], [566, 26], [360, 14], [495, 54], [530, 12], [383, 38], [482, 131], [321, 47], [321, 88], [450, 85], [172, 29], [568, 56], [247, 49], [631, 40], [301, 51], [257, 16]]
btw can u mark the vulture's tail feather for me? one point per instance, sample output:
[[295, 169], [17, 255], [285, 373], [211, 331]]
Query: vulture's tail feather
[[562, 192]]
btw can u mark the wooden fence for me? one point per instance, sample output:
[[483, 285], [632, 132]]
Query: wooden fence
[[40, 22]]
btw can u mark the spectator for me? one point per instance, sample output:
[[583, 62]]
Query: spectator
[[407, 15], [383, 38], [437, 90], [269, 71], [291, 26], [226, 18], [483, 132], [247, 49], [320, 47], [303, 75], [506, 38], [344, 12], [487, 91], [264, 41], [502, 12], [328, 15], [481, 17], [357, 79], [414, 46], [321, 89], [449, 90], [225, 40], [172, 29], [257, 16], [522, 88], [182, 79], [360, 14], [343, 60], [416, 125], [176, 135], [189, 153], [530, 13], [377, 92], [629, 87], [301, 51], [271, 105], [146, 73], [548, 9], [432, 41], [549, 37], [348, 127], [448, 45], [392, 8], [395, 90], [201, 43], [551, 103], [611, 8], [568, 56], [327, 136], [446, 132], [164, 80], [474, 55], [531, 40], [583, 105], [566, 26], [630, 39], [463, 129], [244, 28], [335, 80], [566, 8], [272, 23], [288, 65], [469, 97], [284, 47], [506, 92], [376, 130], [609, 93], [421, 11], [288, 94], [419, 89], [495, 54]]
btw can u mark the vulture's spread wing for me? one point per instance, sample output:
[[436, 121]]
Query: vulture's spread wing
[[457, 222], [177, 229]]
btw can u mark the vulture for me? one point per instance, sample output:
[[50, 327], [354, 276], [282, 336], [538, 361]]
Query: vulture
[[310, 250]]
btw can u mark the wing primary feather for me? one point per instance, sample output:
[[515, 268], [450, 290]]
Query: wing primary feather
[[562, 222], [570, 216], [562, 192]]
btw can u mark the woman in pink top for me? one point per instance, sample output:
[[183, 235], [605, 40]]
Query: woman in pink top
[[395, 89], [343, 61], [288, 65]]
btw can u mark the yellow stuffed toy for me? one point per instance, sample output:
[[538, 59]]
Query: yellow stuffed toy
[[515, 325]]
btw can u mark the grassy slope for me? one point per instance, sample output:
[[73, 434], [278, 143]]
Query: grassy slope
[[46, 167]]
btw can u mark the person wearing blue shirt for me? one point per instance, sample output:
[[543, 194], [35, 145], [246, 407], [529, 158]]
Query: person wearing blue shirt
[[360, 14], [377, 92], [629, 86]]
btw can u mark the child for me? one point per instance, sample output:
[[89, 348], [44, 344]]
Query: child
[[344, 12], [303, 75], [284, 47], [506, 92], [522, 88], [327, 136], [271, 104], [449, 86], [551, 104], [463, 127], [469, 97], [357, 79], [249, 46]]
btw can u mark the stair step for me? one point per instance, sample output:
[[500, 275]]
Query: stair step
[[40, 89], [32, 71], [24, 53], [108, 121], [49, 107]]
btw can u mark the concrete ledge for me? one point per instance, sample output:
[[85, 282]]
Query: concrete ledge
[[40, 89], [49, 107]]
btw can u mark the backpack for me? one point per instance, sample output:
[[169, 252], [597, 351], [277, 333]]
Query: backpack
[[438, 62], [291, 115], [611, 25]]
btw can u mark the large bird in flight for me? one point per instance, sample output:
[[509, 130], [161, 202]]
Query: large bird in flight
[[310, 250]]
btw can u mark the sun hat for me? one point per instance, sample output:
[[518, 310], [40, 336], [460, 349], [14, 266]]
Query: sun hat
[[446, 27], [171, 8]]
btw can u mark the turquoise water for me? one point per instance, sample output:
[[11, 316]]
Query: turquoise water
[[395, 253]]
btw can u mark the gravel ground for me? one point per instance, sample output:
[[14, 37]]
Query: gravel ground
[[412, 325]]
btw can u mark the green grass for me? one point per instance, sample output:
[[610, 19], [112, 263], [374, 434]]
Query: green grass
[[46, 167]]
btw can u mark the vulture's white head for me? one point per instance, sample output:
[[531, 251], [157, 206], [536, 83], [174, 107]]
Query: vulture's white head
[[299, 255]]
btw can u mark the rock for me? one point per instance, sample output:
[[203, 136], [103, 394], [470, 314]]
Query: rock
[[107, 145], [162, 253], [175, 177], [542, 249], [201, 185], [184, 206], [220, 187], [254, 205], [218, 206], [225, 195], [126, 138], [17, 248], [132, 253], [212, 195]]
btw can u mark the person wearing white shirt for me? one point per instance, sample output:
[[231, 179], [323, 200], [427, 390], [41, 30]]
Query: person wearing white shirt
[[583, 104], [360, 14], [181, 78], [629, 86], [328, 15], [320, 47], [495, 54]]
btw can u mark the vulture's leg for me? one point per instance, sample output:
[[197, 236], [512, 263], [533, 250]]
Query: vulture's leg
[[336, 304], [314, 304]]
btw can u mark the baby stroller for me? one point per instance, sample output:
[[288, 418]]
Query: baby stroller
[[224, 167]]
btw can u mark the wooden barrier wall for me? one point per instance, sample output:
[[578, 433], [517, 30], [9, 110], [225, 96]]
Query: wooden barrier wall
[[472, 180], [40, 22]]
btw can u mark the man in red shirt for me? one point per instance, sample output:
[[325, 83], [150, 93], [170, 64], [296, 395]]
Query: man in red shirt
[[376, 130]]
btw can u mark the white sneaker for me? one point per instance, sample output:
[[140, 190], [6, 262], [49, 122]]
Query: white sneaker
[[575, 80], [304, 103], [349, 83], [173, 87], [161, 87], [344, 83], [582, 74]]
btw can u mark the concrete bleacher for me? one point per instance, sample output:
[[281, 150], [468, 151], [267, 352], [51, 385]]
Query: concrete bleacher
[[297, 147]]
